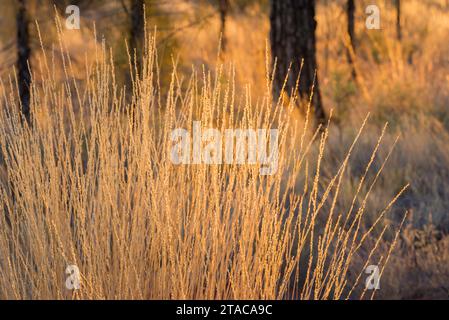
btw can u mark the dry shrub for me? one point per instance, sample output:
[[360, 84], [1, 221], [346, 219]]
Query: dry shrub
[[89, 182]]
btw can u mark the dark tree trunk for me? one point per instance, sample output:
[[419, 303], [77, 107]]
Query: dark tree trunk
[[137, 30], [223, 8], [23, 56], [292, 38], [350, 13], [398, 20]]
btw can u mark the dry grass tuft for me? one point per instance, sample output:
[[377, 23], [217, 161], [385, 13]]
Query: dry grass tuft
[[89, 183]]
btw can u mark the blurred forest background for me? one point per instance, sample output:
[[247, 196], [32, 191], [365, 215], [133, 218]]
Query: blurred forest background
[[399, 74]]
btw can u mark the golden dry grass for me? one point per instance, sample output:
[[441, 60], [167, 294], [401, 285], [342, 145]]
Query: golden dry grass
[[90, 183]]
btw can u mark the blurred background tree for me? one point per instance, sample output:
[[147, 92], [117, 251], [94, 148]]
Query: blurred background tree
[[23, 57], [137, 31], [350, 13], [398, 20], [292, 36]]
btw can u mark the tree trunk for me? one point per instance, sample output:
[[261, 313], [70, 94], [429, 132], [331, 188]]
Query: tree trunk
[[350, 12], [292, 38], [223, 8], [137, 31], [398, 20], [23, 56]]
